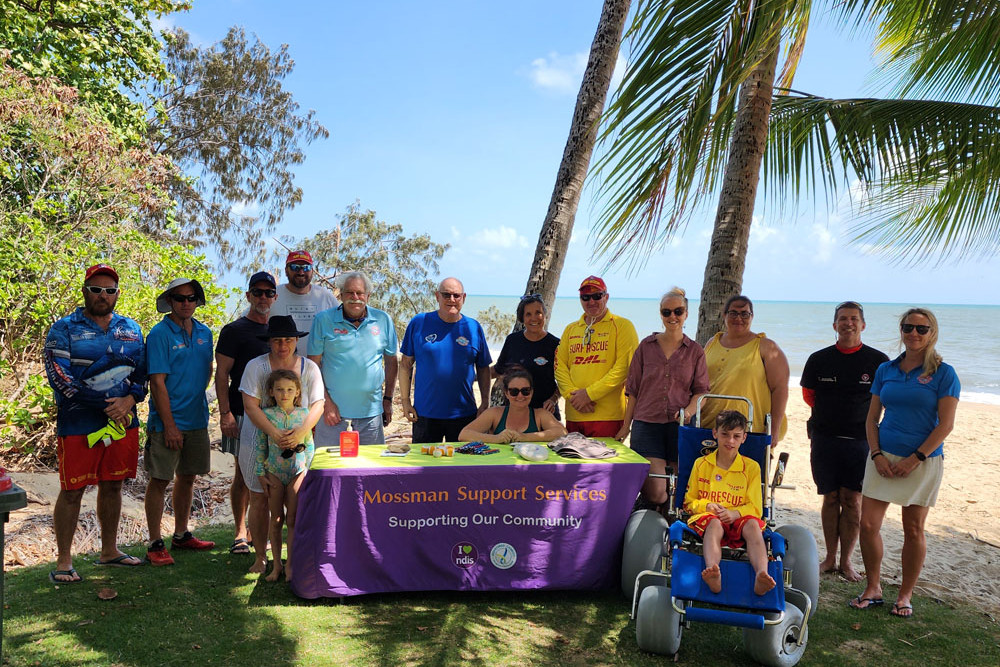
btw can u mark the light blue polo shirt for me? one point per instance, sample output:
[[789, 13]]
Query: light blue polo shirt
[[352, 365], [187, 362], [910, 403]]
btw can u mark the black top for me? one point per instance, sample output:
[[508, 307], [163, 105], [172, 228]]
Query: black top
[[537, 357], [239, 340], [842, 384]]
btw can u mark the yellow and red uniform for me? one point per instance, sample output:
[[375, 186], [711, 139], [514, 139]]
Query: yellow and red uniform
[[737, 488]]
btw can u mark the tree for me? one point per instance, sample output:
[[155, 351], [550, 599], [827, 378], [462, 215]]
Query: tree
[[401, 267], [227, 121], [557, 228]]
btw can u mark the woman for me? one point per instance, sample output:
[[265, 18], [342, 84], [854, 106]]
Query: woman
[[668, 373], [919, 394], [518, 421], [534, 349], [744, 363], [282, 336]]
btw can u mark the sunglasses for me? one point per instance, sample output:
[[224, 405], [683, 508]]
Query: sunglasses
[[289, 453], [741, 314], [922, 329], [451, 295], [531, 297], [300, 268], [523, 391], [181, 298], [676, 311], [94, 289], [596, 296], [263, 292]]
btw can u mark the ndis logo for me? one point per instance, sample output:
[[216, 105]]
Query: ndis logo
[[464, 555]]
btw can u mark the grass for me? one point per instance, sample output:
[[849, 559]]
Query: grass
[[205, 610]]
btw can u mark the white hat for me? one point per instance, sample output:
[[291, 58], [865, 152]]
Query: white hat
[[163, 301]]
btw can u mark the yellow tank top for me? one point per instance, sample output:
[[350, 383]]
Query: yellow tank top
[[737, 371]]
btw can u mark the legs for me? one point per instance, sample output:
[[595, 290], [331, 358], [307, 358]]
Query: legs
[[712, 551], [841, 515], [258, 526], [64, 519], [872, 515], [183, 495], [830, 514], [109, 511], [757, 553], [654, 489], [275, 502], [239, 498], [914, 550], [155, 492], [291, 506]]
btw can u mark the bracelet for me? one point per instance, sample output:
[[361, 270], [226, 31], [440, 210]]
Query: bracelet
[[920, 455], [387, 398], [878, 453]]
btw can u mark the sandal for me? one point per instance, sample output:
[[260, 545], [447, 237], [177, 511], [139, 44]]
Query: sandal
[[71, 572], [862, 604], [899, 609], [124, 560], [239, 546]]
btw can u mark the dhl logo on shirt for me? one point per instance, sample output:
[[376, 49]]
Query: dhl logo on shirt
[[591, 359]]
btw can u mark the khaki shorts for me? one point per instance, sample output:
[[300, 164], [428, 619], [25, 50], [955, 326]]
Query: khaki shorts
[[193, 458]]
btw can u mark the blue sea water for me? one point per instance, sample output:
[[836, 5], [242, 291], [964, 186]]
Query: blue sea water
[[968, 339]]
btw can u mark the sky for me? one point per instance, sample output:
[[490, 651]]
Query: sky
[[450, 118]]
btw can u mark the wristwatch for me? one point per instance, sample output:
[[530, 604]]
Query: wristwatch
[[920, 455]]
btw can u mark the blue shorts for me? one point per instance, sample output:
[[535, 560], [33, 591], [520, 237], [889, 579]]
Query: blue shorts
[[658, 441]]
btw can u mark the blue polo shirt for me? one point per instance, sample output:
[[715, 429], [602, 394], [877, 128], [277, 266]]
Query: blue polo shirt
[[910, 403], [352, 365], [187, 362], [447, 355]]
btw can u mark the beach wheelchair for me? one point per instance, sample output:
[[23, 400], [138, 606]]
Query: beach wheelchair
[[662, 565]]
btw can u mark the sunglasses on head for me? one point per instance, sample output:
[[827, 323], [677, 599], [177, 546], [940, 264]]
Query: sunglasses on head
[[741, 314], [676, 311], [531, 297], [523, 391], [596, 296], [289, 453], [300, 268], [181, 298], [94, 289], [263, 292], [922, 329]]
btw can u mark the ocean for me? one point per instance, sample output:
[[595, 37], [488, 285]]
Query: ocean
[[967, 339]]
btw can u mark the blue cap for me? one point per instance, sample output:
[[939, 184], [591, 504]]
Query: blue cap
[[262, 275]]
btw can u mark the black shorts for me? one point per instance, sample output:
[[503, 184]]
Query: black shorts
[[429, 430], [838, 462], [658, 441]]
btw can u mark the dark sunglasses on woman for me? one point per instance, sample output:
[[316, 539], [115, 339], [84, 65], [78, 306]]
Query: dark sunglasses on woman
[[676, 311], [523, 391], [922, 329], [181, 298]]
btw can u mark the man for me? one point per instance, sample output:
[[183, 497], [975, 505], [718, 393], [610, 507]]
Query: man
[[95, 363], [179, 361], [836, 383], [355, 347], [238, 344], [592, 362], [300, 298], [449, 351]]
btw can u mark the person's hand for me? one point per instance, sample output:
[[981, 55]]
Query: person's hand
[[883, 467], [507, 436], [904, 466], [172, 437], [551, 404], [331, 413], [386, 413], [411, 414], [714, 508], [265, 483], [287, 439], [227, 423], [119, 410], [580, 400], [622, 433]]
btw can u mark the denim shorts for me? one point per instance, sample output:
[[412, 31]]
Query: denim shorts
[[658, 441]]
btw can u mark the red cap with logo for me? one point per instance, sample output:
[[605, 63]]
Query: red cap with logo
[[98, 269], [592, 284], [299, 256]]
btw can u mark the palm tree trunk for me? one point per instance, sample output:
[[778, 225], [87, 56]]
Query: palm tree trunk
[[553, 239], [731, 235]]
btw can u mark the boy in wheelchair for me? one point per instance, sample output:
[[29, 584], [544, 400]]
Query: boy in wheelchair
[[724, 498]]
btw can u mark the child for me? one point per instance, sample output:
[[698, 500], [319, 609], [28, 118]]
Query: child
[[281, 470], [724, 498]]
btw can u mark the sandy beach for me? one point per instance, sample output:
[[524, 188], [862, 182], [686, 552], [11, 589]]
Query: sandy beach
[[963, 535]]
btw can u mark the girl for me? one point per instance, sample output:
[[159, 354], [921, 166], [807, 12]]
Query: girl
[[280, 471]]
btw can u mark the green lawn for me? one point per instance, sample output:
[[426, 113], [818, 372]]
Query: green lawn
[[204, 610]]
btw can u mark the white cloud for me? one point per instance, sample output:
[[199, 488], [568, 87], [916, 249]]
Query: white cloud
[[825, 242], [455, 234], [559, 73], [247, 208], [502, 237]]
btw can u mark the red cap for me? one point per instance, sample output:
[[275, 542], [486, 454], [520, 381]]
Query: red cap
[[299, 256], [592, 284], [98, 269]]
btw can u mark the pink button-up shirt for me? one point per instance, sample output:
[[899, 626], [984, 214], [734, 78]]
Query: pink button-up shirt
[[660, 386]]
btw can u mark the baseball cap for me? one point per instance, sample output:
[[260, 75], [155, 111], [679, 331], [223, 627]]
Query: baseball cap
[[98, 269], [262, 276], [592, 284], [299, 256]]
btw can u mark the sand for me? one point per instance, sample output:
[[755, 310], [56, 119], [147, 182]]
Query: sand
[[963, 535]]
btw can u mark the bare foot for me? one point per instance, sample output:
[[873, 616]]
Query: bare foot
[[848, 572], [763, 583], [275, 573], [258, 567], [288, 572], [829, 564], [713, 577]]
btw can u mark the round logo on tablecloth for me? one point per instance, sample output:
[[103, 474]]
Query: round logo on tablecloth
[[503, 556], [464, 555]]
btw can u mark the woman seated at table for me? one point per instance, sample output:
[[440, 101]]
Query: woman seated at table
[[518, 421]]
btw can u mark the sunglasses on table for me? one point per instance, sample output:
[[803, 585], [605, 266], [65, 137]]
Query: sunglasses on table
[[922, 329], [289, 453], [263, 292], [94, 289], [300, 268], [523, 391], [676, 311], [181, 298], [741, 314], [596, 296]]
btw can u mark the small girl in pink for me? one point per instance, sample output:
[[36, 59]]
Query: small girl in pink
[[724, 498], [281, 470]]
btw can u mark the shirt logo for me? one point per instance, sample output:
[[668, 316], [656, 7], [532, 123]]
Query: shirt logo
[[200, 341], [541, 361], [718, 477], [431, 338], [375, 330], [924, 379], [462, 340], [866, 378], [340, 331]]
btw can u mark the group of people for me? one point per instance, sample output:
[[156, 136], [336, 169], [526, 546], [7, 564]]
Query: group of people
[[300, 366]]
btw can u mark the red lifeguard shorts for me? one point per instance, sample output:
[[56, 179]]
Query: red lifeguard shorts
[[80, 465], [595, 429], [732, 535]]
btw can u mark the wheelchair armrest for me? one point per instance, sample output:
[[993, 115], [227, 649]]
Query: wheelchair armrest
[[677, 531], [777, 542]]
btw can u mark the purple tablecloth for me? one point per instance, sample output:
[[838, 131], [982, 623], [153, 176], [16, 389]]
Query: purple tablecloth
[[371, 524]]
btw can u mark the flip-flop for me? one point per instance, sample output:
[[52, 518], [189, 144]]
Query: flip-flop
[[240, 546], [121, 561], [71, 572], [854, 603], [898, 608]]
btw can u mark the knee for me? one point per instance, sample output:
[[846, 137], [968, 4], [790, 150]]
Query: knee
[[913, 531], [73, 497], [110, 486], [831, 499]]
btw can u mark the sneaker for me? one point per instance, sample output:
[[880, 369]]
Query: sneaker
[[189, 541], [157, 554]]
